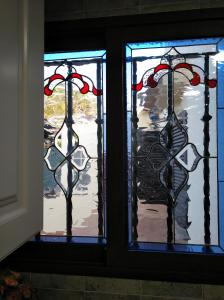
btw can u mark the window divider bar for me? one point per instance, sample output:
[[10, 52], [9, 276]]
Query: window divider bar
[[117, 234]]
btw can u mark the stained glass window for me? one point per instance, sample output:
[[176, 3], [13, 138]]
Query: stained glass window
[[74, 144], [175, 142]]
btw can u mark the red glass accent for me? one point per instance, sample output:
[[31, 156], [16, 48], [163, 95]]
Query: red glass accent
[[212, 83], [151, 82], [75, 75], [161, 67], [196, 79], [85, 89], [97, 92], [47, 91], [137, 87], [56, 76], [183, 65]]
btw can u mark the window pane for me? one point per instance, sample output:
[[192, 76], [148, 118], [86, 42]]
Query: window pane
[[172, 135], [74, 131]]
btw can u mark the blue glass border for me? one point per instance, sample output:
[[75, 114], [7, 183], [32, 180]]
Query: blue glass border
[[175, 43], [74, 55], [221, 214], [72, 240], [220, 75], [160, 247], [220, 116], [128, 73], [220, 145]]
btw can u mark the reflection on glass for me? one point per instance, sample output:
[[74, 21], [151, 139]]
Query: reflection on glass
[[74, 177], [172, 142]]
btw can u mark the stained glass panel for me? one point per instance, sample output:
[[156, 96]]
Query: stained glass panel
[[74, 130], [172, 135]]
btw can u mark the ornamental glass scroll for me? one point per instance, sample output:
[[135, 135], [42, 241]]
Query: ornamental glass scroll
[[74, 144], [175, 141]]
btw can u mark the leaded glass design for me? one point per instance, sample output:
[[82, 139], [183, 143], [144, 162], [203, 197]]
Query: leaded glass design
[[174, 137], [75, 139]]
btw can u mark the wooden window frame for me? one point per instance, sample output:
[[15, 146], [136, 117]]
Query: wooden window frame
[[82, 256]]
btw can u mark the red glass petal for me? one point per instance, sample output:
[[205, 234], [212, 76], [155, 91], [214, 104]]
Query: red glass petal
[[183, 65], [85, 89], [56, 76], [47, 91], [75, 75], [196, 79], [137, 87], [97, 92], [161, 67], [151, 82], [212, 83]]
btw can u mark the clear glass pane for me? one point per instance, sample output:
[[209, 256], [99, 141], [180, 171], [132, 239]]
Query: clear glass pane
[[85, 202]]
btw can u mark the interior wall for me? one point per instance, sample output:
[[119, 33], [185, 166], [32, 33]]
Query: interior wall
[[60, 287], [81, 9]]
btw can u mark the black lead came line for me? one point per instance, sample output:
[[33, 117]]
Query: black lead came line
[[169, 146], [206, 118], [69, 122], [100, 154]]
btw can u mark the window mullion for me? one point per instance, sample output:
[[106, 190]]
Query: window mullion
[[116, 200]]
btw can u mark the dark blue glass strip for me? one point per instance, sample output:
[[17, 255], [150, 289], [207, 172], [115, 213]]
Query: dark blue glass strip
[[129, 138], [104, 135], [157, 247], [220, 70], [128, 77], [184, 43], [220, 145], [221, 214], [72, 240], [129, 212], [129, 170]]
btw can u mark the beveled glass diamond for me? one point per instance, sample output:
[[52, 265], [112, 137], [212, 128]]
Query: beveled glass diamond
[[188, 157], [66, 176], [66, 140], [53, 158], [79, 158]]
